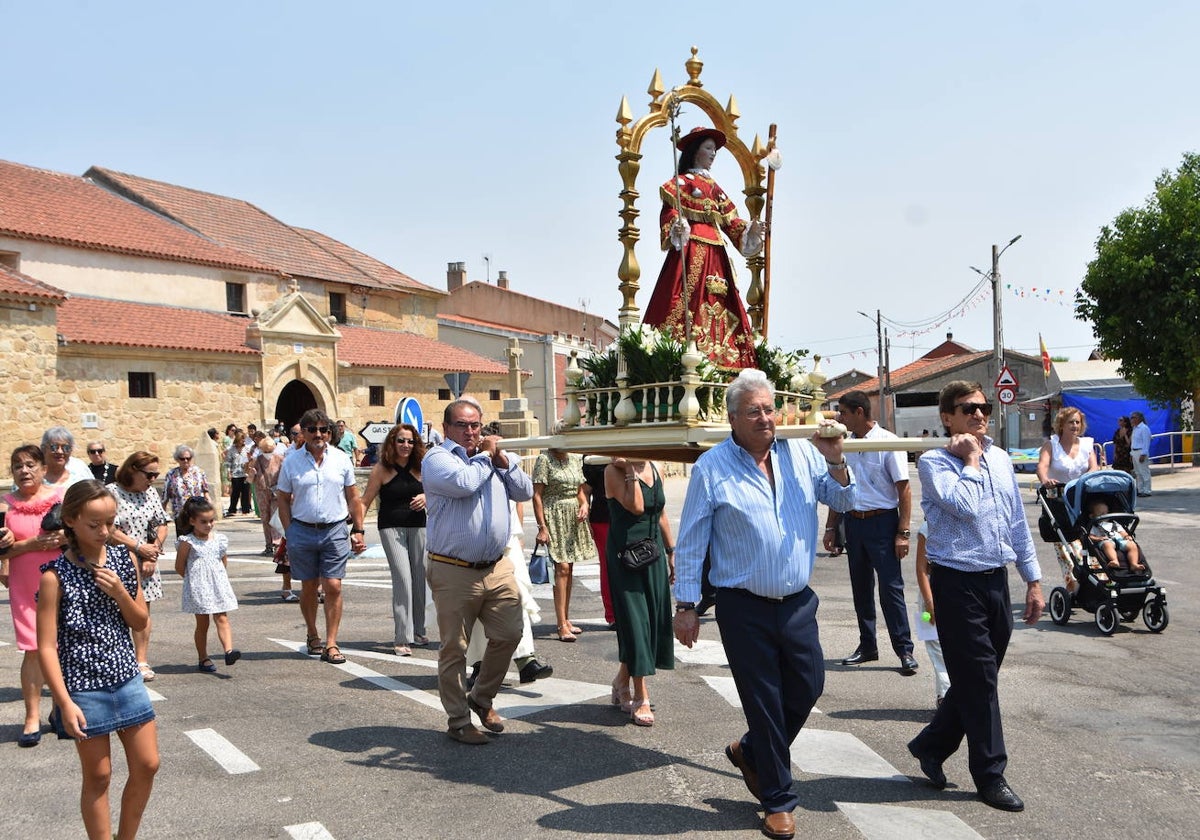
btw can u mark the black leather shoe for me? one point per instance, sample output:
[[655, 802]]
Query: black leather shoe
[[930, 767], [908, 665], [999, 795], [474, 675], [534, 670], [860, 656]]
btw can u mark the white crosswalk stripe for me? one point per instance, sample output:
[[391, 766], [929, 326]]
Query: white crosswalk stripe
[[896, 822], [218, 747], [308, 831]]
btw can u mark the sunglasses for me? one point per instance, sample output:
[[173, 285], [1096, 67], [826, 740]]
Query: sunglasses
[[404, 441], [184, 458], [149, 475], [463, 424], [59, 447], [970, 408], [95, 451], [312, 430]]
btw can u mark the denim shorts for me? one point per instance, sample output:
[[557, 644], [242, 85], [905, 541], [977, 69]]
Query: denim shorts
[[109, 709], [318, 552]]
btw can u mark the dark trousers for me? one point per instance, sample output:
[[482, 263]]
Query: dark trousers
[[775, 656], [974, 620], [871, 553], [240, 491]]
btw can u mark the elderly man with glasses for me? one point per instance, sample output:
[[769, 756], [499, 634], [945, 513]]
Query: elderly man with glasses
[[317, 494], [468, 482], [977, 526]]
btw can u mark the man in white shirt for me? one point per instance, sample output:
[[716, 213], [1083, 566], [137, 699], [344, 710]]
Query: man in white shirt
[[1139, 450], [877, 536]]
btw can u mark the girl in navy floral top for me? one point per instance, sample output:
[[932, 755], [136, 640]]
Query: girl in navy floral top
[[89, 600]]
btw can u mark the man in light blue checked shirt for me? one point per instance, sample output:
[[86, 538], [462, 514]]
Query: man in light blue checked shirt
[[468, 481], [752, 506]]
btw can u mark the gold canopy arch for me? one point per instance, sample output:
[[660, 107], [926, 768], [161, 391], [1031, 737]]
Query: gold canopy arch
[[630, 137]]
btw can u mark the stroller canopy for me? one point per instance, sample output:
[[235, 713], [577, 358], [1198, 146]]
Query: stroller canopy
[[1104, 482]]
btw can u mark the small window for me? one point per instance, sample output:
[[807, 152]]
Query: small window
[[443, 393], [142, 386], [376, 395], [494, 394], [337, 306], [10, 259], [235, 297]]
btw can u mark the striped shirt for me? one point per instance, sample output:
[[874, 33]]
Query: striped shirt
[[466, 499], [976, 517], [759, 539]]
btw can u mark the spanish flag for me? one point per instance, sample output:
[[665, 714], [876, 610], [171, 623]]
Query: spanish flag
[[1045, 357]]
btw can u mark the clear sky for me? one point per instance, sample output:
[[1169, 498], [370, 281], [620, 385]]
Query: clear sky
[[915, 136]]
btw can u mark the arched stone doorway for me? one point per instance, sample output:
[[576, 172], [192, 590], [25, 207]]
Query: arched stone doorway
[[295, 399]]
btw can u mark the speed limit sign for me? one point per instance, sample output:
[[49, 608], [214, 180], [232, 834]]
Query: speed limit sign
[[1006, 395]]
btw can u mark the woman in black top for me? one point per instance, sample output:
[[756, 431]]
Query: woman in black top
[[396, 480]]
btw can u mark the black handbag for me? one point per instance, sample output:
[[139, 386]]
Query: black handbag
[[638, 555], [52, 521]]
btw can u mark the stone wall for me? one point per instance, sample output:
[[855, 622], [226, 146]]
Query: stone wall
[[28, 343]]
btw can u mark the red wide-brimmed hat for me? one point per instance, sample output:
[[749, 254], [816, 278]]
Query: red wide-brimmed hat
[[699, 135]]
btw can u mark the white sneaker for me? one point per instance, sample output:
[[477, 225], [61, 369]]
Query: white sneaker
[[289, 596]]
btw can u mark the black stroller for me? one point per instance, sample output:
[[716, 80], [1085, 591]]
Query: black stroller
[[1113, 595]]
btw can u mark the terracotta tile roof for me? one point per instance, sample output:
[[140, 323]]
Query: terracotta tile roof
[[922, 368], [22, 285], [382, 273], [55, 207], [237, 224], [475, 322], [116, 323], [370, 347]]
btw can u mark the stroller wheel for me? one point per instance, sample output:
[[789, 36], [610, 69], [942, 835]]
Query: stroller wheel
[[1155, 614], [1107, 619], [1060, 606]]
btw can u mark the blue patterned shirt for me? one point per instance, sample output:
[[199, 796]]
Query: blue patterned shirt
[[976, 517], [466, 499], [760, 539]]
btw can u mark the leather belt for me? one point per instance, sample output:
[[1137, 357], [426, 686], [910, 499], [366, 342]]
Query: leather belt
[[455, 561], [939, 567], [757, 597], [867, 514], [319, 526]]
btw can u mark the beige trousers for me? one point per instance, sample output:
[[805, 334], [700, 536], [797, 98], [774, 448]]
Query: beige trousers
[[461, 596]]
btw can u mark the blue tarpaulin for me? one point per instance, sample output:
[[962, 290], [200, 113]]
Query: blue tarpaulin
[[1102, 414]]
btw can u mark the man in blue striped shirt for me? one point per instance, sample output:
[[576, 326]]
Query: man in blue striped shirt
[[752, 506], [977, 526], [468, 481]]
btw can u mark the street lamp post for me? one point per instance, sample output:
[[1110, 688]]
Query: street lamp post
[[878, 319], [998, 326]]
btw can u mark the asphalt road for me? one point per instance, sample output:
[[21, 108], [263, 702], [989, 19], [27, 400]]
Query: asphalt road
[[1103, 732]]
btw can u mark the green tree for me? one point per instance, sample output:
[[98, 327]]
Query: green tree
[[1142, 291]]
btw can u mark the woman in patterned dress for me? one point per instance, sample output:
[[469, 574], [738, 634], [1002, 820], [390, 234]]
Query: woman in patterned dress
[[561, 509], [184, 481], [141, 527], [20, 570]]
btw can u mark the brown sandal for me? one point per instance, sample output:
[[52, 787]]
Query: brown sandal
[[335, 658], [315, 646]]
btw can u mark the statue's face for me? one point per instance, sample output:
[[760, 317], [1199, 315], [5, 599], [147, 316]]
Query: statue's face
[[706, 154]]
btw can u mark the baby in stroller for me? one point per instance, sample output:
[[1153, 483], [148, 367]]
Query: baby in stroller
[[1112, 540]]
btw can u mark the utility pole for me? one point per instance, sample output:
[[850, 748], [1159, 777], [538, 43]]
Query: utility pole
[[998, 329], [878, 319]]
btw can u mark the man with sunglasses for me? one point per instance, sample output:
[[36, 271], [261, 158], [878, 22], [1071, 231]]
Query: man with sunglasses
[[104, 472], [877, 536], [977, 526], [468, 482], [317, 494]]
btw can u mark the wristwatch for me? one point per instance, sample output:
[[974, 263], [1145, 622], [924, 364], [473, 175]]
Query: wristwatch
[[904, 533], [357, 531], [684, 606]]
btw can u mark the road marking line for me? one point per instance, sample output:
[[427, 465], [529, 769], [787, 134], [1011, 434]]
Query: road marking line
[[514, 701], [897, 822], [154, 695], [703, 652], [308, 831], [219, 748], [824, 752], [726, 687]]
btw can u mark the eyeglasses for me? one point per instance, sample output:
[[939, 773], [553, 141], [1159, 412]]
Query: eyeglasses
[[970, 408], [465, 426], [759, 411], [148, 474], [312, 430], [95, 451], [184, 458], [404, 441], [59, 447]]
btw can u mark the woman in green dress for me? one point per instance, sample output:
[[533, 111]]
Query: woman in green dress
[[561, 510], [641, 598]]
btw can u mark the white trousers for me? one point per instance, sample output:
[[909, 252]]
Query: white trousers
[[530, 612]]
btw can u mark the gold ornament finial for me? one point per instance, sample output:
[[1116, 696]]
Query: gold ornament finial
[[656, 88], [624, 114], [694, 66]]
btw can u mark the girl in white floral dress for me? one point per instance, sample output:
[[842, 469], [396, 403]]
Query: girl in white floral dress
[[200, 559]]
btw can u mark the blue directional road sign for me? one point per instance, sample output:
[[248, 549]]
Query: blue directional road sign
[[408, 410]]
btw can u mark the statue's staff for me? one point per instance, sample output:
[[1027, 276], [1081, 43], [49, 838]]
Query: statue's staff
[[674, 104], [774, 161]]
